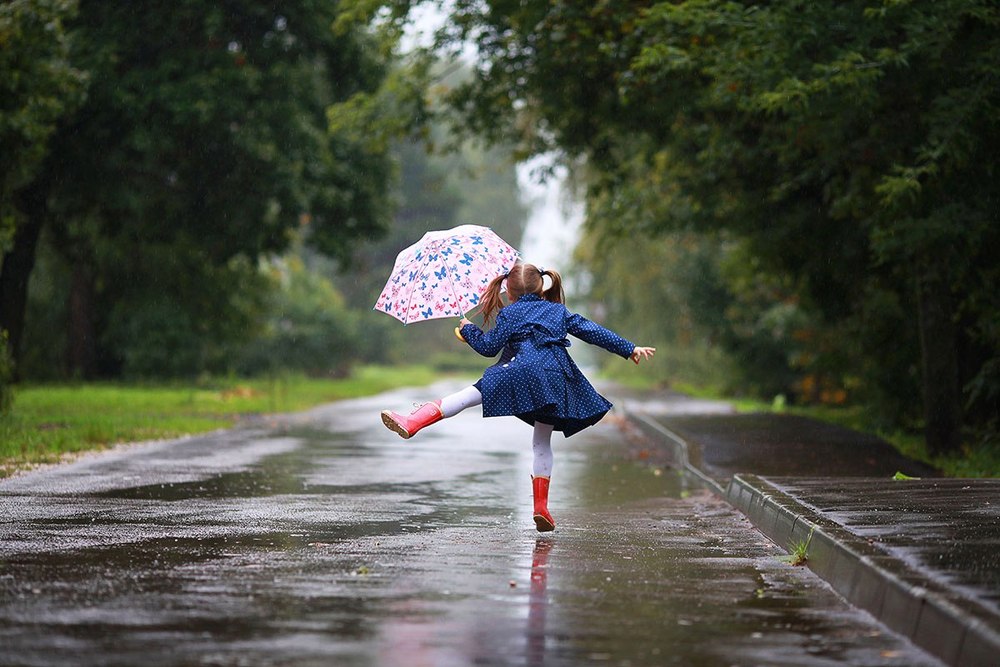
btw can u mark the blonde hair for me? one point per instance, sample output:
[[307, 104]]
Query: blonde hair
[[521, 279]]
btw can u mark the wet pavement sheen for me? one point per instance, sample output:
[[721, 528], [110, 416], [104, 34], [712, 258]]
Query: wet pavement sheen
[[780, 444], [918, 553], [324, 539], [948, 528]]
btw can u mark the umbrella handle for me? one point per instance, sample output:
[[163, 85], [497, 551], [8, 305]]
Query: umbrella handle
[[458, 334]]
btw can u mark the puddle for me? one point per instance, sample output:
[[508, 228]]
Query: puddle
[[247, 484], [352, 548]]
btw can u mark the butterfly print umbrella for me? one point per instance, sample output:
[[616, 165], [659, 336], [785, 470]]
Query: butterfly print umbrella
[[445, 273]]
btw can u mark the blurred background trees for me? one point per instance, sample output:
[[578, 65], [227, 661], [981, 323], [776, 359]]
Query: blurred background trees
[[200, 146], [830, 165], [791, 200], [188, 193]]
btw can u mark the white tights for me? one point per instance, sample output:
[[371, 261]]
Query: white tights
[[541, 445], [452, 404], [541, 439]]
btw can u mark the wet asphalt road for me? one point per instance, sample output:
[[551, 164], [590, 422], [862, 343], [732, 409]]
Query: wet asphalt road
[[324, 539]]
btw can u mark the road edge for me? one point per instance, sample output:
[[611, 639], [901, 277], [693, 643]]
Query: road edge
[[931, 616]]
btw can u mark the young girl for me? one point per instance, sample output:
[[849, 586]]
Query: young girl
[[535, 378]]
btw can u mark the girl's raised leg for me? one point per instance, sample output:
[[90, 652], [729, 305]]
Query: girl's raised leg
[[452, 404], [429, 413]]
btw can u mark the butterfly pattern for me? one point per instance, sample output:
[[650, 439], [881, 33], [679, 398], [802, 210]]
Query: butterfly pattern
[[445, 273]]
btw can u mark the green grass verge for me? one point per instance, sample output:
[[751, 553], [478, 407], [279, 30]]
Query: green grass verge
[[50, 421]]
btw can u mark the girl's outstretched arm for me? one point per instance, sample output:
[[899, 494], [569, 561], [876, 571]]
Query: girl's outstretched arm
[[595, 334], [640, 353]]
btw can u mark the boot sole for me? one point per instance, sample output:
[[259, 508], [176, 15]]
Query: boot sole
[[543, 525], [395, 426]]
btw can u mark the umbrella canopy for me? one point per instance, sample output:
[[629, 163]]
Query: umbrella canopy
[[445, 273]]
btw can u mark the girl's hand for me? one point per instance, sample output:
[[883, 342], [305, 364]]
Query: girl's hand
[[640, 353], [462, 322]]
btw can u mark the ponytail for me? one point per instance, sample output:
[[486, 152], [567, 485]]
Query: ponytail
[[555, 292], [491, 301]]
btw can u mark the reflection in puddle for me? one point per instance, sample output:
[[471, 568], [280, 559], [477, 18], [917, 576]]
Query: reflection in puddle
[[538, 601], [243, 484]]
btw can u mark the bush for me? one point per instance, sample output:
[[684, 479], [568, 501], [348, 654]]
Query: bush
[[190, 325], [155, 339], [308, 327]]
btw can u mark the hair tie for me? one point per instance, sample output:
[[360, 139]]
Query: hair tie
[[541, 271]]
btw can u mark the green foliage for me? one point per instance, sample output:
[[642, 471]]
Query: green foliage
[[307, 328], [377, 119], [190, 327], [202, 145], [235, 171], [470, 185], [798, 553], [43, 350], [644, 288], [38, 87]]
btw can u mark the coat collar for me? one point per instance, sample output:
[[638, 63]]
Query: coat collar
[[528, 297]]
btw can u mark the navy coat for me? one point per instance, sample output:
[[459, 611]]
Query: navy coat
[[536, 379]]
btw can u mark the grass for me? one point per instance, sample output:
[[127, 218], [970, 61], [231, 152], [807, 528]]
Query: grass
[[798, 553], [50, 421]]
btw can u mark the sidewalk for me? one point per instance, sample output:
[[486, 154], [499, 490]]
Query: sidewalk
[[922, 555]]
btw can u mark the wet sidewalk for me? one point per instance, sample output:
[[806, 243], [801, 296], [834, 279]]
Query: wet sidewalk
[[323, 539], [921, 555]]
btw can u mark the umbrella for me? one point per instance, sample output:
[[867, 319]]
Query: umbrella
[[444, 274]]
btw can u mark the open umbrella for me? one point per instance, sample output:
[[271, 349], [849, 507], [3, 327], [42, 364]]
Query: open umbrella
[[445, 273]]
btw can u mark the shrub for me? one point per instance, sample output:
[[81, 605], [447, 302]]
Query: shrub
[[307, 328]]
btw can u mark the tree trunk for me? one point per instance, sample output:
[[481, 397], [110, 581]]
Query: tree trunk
[[16, 272], [939, 351], [82, 332]]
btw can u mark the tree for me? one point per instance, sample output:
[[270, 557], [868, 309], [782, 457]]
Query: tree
[[38, 87], [876, 131], [202, 143]]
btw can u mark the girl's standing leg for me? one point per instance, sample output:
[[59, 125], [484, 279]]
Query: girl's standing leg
[[541, 445], [429, 413]]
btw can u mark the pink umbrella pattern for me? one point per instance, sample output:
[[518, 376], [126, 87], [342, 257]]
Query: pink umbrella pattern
[[445, 273]]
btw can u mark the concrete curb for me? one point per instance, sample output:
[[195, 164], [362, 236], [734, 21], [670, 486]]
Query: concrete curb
[[934, 618], [952, 628], [680, 449]]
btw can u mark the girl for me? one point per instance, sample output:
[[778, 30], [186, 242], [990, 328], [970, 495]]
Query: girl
[[535, 378]]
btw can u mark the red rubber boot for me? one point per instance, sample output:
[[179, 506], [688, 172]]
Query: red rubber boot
[[407, 426], [543, 520]]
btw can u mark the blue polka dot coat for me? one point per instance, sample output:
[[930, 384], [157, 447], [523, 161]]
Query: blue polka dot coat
[[535, 378]]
